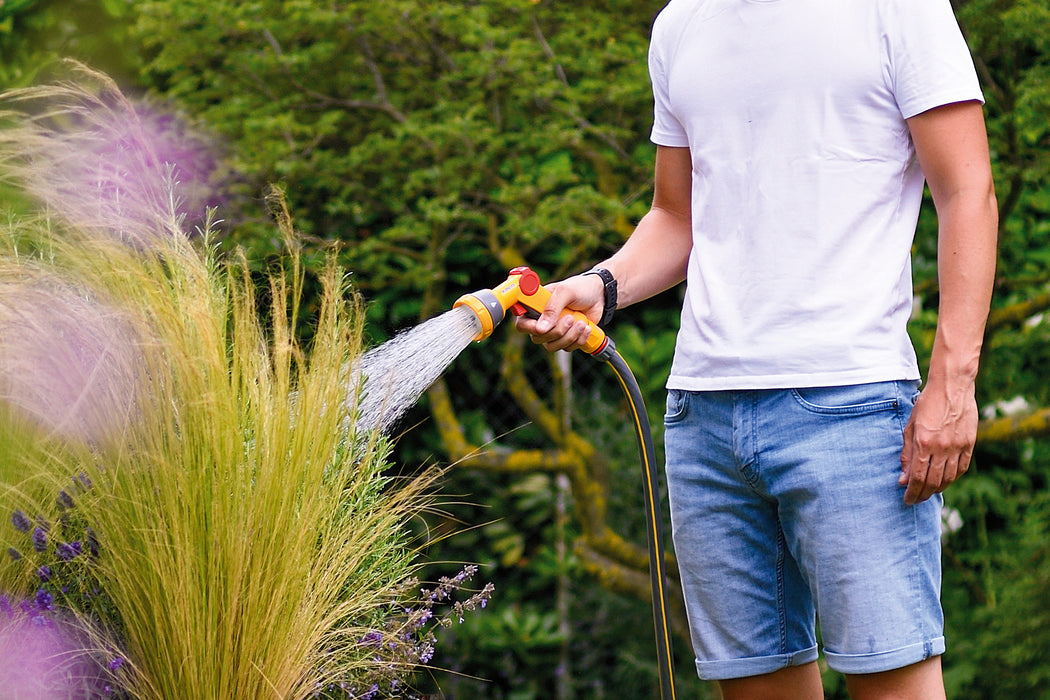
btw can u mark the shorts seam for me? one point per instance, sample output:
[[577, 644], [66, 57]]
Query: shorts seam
[[781, 592], [913, 578]]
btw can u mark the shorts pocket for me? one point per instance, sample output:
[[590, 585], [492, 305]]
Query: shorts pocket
[[677, 406], [857, 399]]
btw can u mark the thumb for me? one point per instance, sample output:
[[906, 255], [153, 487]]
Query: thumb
[[546, 320], [560, 298]]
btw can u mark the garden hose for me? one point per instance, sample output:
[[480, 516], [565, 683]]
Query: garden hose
[[522, 294]]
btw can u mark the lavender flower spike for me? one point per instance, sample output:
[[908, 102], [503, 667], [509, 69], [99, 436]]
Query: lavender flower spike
[[44, 601], [67, 551], [39, 540], [20, 521], [65, 500]]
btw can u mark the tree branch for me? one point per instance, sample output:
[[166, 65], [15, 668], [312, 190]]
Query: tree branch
[[581, 122], [1018, 313], [383, 104], [1013, 428]]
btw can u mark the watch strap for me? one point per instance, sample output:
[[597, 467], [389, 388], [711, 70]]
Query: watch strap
[[609, 283]]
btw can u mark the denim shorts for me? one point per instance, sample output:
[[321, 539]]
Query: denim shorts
[[786, 511]]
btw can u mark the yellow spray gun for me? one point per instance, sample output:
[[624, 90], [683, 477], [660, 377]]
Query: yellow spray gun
[[523, 295]]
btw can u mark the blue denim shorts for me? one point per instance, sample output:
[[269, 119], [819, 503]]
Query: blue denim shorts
[[786, 511]]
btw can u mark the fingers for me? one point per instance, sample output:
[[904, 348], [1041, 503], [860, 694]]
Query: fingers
[[556, 330], [927, 473], [559, 333], [926, 478]]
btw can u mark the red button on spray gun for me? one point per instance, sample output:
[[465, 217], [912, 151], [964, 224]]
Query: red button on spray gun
[[529, 284]]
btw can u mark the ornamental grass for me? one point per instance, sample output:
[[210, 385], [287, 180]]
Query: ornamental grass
[[190, 509]]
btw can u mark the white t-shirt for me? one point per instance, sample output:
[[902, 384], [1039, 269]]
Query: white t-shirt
[[806, 189]]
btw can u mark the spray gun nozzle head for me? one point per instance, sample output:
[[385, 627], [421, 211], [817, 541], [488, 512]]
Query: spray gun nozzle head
[[492, 305], [486, 307]]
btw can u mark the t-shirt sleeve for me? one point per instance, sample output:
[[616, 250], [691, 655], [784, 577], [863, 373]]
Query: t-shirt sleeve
[[667, 130], [930, 63]]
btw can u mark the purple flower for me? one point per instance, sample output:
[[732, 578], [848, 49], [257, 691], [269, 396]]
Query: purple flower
[[373, 638], [20, 521], [44, 601], [40, 540], [44, 572], [67, 551], [116, 663], [14, 554], [92, 542], [64, 500], [5, 606]]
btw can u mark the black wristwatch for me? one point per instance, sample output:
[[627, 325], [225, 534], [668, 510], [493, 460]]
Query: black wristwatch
[[610, 294]]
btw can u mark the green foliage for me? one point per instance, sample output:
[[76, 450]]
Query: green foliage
[[602, 646], [34, 34]]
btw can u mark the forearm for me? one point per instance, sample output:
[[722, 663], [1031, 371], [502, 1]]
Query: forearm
[[966, 269], [940, 435]]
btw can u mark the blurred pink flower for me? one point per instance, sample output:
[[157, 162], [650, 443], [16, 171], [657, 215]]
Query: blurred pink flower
[[43, 657], [67, 362], [105, 164]]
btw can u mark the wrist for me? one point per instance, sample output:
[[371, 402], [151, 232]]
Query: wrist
[[952, 380], [954, 367]]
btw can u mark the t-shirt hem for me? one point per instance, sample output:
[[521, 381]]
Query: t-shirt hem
[[663, 138], [792, 381], [939, 100]]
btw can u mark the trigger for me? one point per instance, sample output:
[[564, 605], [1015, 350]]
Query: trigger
[[519, 309]]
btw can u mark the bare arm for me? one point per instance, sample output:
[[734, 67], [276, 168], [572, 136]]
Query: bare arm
[[953, 151], [653, 259]]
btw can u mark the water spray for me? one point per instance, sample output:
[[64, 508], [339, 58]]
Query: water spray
[[523, 295]]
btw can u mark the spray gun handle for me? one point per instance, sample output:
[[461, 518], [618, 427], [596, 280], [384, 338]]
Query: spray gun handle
[[533, 298]]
